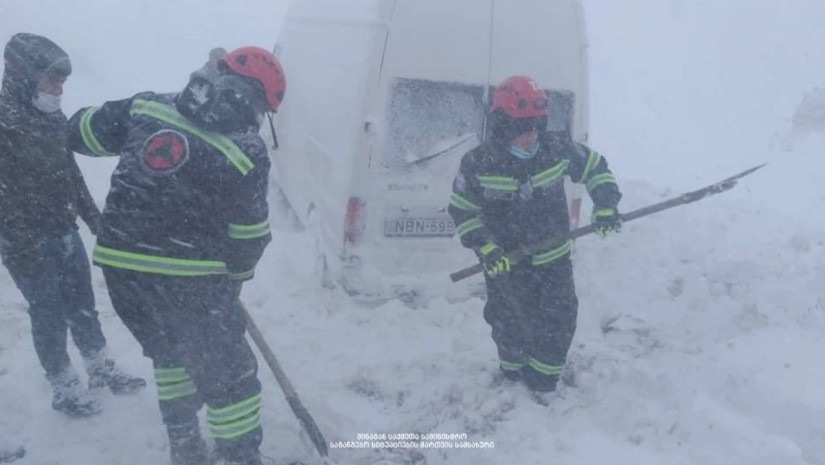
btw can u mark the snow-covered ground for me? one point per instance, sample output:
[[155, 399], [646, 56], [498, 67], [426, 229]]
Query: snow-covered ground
[[700, 329], [694, 347]]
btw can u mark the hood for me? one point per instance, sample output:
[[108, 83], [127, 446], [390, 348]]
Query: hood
[[27, 57]]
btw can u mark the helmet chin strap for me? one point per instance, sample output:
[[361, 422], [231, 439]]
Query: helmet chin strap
[[272, 129]]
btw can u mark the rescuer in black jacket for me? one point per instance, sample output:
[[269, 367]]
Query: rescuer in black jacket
[[41, 193], [508, 193], [185, 223]]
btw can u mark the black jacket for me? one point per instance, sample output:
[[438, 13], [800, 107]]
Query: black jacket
[[183, 201], [499, 198], [41, 187]]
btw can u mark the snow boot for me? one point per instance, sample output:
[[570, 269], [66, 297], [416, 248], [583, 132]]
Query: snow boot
[[186, 445], [70, 397], [103, 372], [511, 372], [539, 382]]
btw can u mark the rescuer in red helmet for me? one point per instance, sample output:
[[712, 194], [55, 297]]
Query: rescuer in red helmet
[[509, 193], [185, 223]]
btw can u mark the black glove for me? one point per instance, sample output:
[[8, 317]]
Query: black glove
[[606, 221], [495, 263]]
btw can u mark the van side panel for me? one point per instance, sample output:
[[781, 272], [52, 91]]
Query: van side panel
[[329, 66]]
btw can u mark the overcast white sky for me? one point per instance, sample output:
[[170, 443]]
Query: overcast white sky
[[119, 48], [682, 91]]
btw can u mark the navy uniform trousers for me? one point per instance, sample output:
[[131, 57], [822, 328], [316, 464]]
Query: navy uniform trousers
[[532, 312], [193, 330]]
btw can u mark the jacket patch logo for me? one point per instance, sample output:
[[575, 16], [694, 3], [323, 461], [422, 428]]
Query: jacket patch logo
[[164, 152]]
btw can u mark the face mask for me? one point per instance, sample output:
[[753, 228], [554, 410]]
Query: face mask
[[47, 103], [519, 152]]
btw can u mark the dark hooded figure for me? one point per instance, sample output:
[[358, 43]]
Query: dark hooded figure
[[41, 194]]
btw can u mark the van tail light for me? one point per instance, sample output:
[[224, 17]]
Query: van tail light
[[575, 212], [354, 222]]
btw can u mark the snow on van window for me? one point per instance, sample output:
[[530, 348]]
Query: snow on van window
[[429, 118], [560, 107], [425, 116]]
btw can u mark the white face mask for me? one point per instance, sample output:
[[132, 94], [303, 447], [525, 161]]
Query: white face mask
[[519, 152], [47, 103]]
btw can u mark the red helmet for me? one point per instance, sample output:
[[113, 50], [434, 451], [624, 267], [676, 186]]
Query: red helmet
[[261, 65], [520, 97]]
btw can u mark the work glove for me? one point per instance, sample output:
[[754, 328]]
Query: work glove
[[606, 221], [495, 263]]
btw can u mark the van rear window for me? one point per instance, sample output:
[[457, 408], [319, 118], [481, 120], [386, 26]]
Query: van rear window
[[560, 106], [424, 116], [427, 118]]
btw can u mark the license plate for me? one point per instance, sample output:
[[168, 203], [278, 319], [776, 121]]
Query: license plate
[[419, 227]]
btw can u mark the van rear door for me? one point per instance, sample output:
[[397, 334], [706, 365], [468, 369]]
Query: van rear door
[[434, 84]]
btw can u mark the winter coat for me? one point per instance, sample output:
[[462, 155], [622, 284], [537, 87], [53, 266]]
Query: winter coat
[[512, 202], [183, 201], [41, 187]]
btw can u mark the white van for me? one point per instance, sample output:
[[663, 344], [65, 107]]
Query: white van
[[383, 99]]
